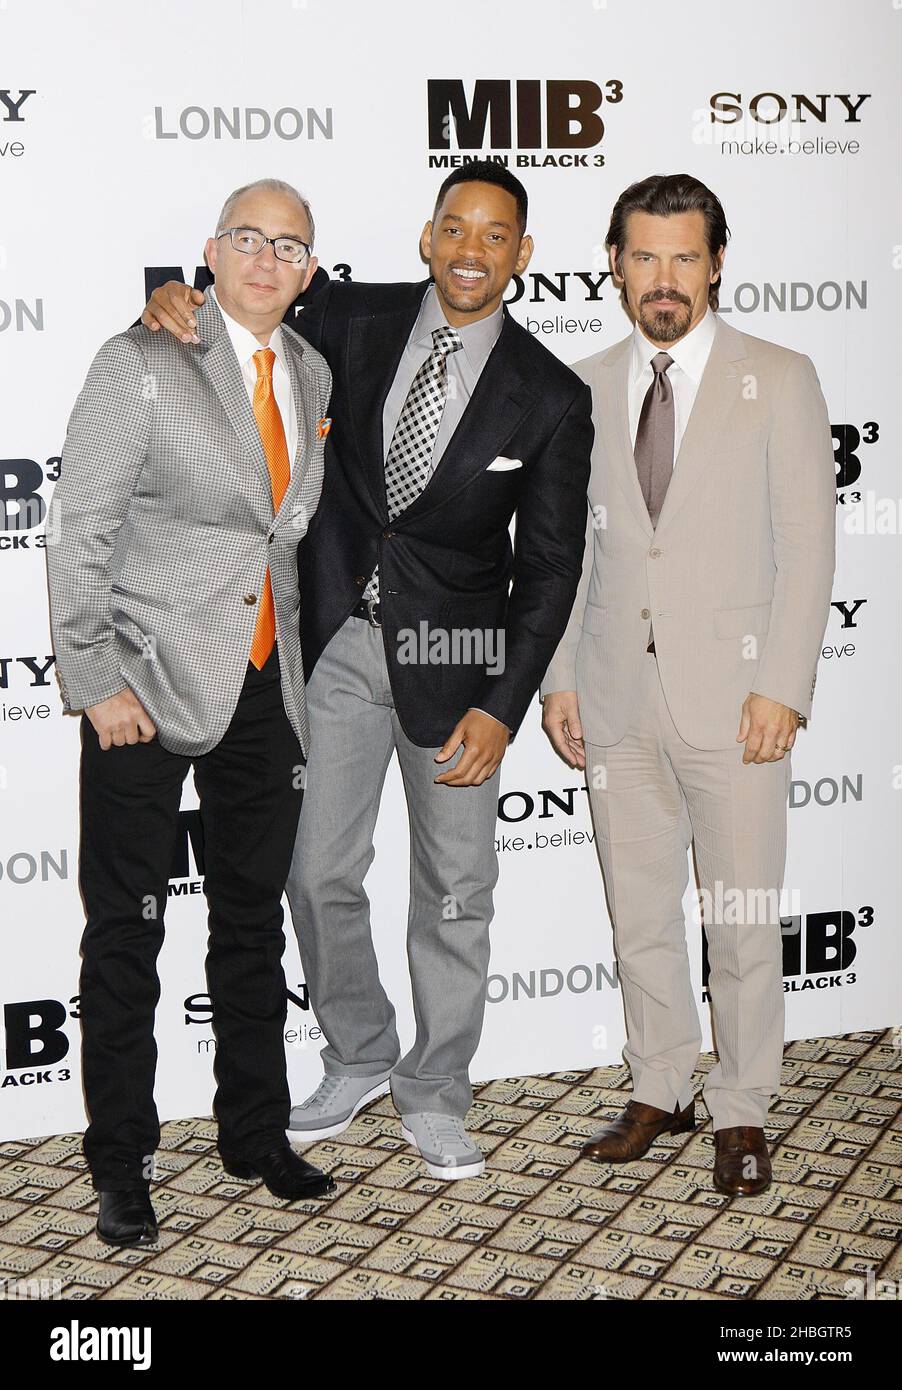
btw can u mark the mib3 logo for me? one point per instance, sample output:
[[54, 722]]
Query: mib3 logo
[[522, 116], [847, 439], [818, 949], [186, 872], [22, 508], [156, 276], [36, 1041]]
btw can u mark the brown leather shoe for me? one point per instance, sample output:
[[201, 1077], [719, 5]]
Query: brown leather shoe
[[741, 1161], [634, 1131]]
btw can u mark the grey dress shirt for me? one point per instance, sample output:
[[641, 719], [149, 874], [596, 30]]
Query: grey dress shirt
[[463, 368]]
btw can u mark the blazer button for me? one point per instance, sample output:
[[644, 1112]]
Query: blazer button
[[387, 535], [270, 538], [654, 553], [250, 598], [360, 581], [645, 613]]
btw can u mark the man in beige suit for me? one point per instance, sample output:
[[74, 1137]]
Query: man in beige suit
[[689, 663]]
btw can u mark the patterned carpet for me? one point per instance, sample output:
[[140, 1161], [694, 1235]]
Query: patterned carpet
[[539, 1224]]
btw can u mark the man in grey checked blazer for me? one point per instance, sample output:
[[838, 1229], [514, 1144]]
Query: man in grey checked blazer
[[188, 479]]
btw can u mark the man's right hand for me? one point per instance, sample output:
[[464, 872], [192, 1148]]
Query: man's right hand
[[170, 307], [560, 720], [121, 719]]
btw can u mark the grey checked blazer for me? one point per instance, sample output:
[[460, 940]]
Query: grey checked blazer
[[161, 528], [736, 577]]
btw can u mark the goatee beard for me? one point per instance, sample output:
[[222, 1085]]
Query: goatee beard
[[665, 327]]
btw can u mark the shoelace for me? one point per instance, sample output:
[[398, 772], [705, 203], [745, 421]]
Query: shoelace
[[324, 1091], [447, 1129]]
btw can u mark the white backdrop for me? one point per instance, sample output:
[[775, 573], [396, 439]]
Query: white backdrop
[[140, 118]]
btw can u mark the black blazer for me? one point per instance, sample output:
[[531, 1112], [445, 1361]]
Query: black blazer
[[447, 560]]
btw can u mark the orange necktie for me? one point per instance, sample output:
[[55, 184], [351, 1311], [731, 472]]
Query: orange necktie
[[272, 433]]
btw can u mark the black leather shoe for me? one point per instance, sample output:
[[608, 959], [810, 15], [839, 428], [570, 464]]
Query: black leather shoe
[[284, 1172], [127, 1217]]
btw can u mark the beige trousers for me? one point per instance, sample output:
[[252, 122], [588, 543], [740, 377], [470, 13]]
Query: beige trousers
[[651, 796]]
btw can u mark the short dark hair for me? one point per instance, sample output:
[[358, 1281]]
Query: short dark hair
[[487, 171], [663, 195]]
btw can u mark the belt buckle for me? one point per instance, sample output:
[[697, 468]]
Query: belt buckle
[[371, 613]]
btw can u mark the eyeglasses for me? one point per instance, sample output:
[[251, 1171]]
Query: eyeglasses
[[250, 241]]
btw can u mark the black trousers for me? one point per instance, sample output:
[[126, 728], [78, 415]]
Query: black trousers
[[249, 807]]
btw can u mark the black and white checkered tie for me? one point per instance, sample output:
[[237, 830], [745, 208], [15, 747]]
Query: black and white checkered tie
[[408, 466]]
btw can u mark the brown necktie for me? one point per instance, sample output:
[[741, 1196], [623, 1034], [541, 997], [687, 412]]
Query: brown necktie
[[653, 449]]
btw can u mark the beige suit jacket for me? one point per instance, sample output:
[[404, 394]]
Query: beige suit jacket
[[736, 578]]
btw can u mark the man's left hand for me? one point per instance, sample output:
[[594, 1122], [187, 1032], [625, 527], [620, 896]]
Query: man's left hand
[[767, 728], [485, 742]]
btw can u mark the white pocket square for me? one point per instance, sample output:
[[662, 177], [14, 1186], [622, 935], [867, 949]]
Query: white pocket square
[[501, 464]]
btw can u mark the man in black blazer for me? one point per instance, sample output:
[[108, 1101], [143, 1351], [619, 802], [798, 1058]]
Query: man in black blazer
[[424, 632]]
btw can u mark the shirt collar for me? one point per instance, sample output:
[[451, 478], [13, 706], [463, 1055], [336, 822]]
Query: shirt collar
[[243, 340], [690, 354], [478, 338]]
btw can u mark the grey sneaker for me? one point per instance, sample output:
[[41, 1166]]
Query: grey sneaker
[[444, 1144], [333, 1105]]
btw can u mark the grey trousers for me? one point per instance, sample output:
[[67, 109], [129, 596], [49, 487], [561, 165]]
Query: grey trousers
[[354, 731], [651, 795]]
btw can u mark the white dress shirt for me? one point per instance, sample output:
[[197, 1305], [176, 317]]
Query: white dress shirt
[[245, 345], [690, 356]]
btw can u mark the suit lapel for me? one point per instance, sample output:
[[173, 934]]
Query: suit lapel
[[376, 343], [221, 366], [305, 405], [493, 412], [718, 391], [222, 369], [615, 428]]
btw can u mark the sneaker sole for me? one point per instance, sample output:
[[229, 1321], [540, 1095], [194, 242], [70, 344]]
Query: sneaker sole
[[310, 1136], [463, 1170]]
